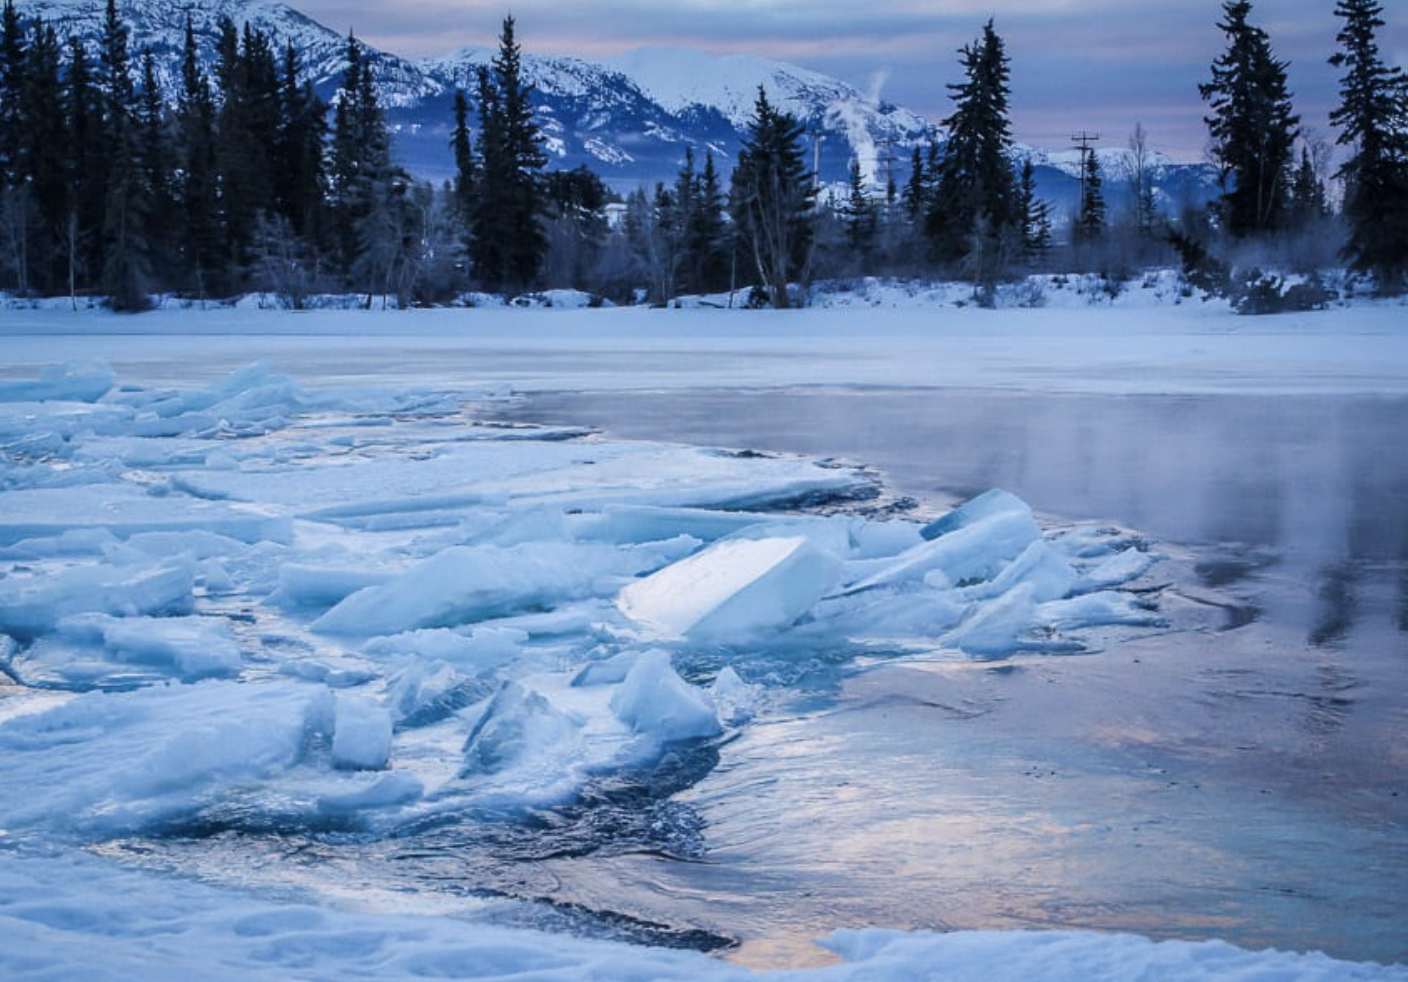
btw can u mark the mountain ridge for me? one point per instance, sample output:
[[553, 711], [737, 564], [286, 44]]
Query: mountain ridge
[[630, 118]]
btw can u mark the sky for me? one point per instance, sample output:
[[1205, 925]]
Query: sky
[[1097, 66]]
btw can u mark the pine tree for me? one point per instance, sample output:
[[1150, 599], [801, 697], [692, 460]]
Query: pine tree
[[127, 206], [772, 199], [1373, 121], [85, 169], [301, 136], [1309, 206], [1253, 127], [706, 232], [42, 155], [1090, 222], [973, 212], [466, 167], [13, 64], [860, 217], [508, 242], [1035, 217], [197, 187]]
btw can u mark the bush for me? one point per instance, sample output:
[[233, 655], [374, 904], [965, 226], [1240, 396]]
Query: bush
[[1255, 292]]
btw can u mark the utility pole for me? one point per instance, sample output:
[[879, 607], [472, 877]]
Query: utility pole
[[1083, 141]]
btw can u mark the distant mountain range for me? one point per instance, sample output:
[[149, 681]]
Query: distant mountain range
[[629, 119]]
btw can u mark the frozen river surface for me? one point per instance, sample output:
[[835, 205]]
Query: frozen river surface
[[1239, 772]]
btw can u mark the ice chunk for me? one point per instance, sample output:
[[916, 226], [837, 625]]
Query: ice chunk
[[1097, 609], [734, 587], [463, 584], [126, 511], [734, 699], [361, 738], [67, 383], [653, 699], [1039, 566], [190, 648], [111, 764], [31, 605], [995, 627], [306, 585], [1118, 569], [478, 648], [969, 554], [984, 506], [518, 725]]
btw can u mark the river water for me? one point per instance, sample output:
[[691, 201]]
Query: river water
[[1243, 775]]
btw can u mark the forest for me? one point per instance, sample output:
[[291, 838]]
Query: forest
[[245, 180]]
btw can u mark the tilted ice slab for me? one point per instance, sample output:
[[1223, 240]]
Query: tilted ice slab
[[734, 587]]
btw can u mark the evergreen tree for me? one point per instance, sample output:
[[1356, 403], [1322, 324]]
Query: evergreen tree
[[156, 166], [126, 203], [301, 135], [772, 199], [198, 241], [43, 155], [973, 212], [1035, 217], [1253, 127], [466, 167], [1090, 221], [860, 217], [508, 242], [577, 222], [85, 170], [706, 232], [13, 64], [364, 183], [1373, 121], [1308, 203]]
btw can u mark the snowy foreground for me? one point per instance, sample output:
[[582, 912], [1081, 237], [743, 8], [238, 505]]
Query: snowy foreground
[[347, 602]]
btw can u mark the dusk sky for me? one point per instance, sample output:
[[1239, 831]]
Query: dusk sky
[[1094, 65]]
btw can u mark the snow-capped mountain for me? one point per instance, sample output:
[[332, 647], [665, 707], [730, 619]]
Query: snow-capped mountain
[[630, 120]]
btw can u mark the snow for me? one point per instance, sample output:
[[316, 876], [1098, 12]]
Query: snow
[[232, 598]]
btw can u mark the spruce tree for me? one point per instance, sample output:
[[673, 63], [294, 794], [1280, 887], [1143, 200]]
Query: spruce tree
[[466, 167], [772, 199], [126, 245], [973, 211], [1035, 217], [1373, 121], [85, 169], [301, 136], [508, 241], [706, 232], [860, 217], [42, 155], [1090, 221], [13, 64], [198, 241], [1253, 127]]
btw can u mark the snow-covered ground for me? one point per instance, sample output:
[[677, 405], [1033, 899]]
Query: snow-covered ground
[[277, 574]]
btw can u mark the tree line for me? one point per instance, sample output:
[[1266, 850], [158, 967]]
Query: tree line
[[245, 179]]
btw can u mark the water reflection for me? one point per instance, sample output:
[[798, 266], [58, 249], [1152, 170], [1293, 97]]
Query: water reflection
[[1318, 476]]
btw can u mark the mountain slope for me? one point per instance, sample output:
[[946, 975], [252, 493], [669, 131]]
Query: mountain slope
[[630, 119]]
